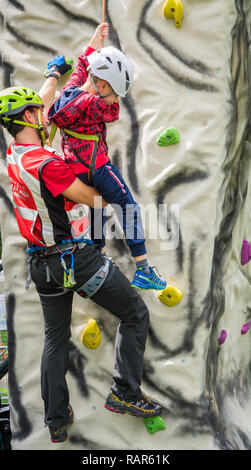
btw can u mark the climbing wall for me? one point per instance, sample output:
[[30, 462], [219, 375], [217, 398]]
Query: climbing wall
[[195, 196]]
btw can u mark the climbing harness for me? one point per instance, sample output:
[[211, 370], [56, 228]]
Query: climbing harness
[[89, 137], [67, 247], [33, 249], [95, 282], [69, 280]]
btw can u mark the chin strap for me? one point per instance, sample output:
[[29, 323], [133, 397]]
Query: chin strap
[[38, 126]]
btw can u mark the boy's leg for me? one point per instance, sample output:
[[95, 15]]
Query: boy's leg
[[109, 182], [97, 221]]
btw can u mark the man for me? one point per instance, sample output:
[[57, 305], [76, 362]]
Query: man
[[47, 198]]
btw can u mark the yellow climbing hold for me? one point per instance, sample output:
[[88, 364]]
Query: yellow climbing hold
[[173, 9], [91, 336], [170, 295]]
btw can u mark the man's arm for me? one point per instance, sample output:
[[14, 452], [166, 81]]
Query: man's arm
[[82, 193], [59, 178], [48, 91]]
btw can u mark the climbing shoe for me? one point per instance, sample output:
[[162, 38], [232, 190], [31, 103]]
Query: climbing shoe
[[142, 408], [60, 434], [151, 280]]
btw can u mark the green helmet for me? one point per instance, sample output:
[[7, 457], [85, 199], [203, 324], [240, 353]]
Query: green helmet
[[13, 100]]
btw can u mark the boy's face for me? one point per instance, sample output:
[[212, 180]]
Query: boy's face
[[106, 89]]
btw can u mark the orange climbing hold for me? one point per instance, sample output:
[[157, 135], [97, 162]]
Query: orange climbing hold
[[173, 9]]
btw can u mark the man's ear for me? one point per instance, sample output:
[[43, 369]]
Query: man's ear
[[29, 116]]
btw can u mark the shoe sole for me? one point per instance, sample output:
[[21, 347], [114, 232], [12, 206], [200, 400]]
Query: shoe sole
[[148, 288], [58, 441], [146, 414]]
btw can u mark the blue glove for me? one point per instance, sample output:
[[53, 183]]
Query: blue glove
[[59, 64]]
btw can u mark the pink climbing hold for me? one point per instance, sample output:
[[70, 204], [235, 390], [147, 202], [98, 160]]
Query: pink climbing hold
[[245, 252], [222, 337], [245, 328]]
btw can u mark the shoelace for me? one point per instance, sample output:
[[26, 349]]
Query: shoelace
[[156, 279], [157, 270], [144, 400]]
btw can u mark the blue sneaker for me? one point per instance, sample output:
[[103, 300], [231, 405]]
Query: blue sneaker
[[142, 280]]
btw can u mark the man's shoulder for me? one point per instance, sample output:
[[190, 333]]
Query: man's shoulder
[[26, 151]]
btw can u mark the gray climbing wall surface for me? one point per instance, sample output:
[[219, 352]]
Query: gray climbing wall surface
[[195, 78]]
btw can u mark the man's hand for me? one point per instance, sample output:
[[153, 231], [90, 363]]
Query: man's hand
[[102, 32], [60, 66]]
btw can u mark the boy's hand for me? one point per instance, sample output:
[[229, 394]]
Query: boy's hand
[[101, 33]]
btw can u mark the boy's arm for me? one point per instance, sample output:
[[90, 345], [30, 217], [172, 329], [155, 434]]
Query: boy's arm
[[107, 112], [101, 32], [80, 73]]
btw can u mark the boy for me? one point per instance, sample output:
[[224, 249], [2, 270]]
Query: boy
[[87, 102]]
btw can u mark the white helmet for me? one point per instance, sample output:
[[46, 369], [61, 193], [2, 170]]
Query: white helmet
[[112, 65]]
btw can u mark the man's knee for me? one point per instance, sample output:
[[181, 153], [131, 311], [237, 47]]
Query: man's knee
[[137, 311]]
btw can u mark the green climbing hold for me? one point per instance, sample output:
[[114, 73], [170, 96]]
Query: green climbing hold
[[168, 137], [154, 424]]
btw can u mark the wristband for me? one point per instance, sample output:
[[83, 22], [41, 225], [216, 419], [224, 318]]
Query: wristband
[[50, 73]]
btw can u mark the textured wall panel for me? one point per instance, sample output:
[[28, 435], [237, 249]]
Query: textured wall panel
[[197, 79]]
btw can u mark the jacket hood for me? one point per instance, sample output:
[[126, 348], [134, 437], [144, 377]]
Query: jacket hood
[[61, 112]]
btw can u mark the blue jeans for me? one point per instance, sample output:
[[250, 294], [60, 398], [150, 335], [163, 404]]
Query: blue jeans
[[110, 184]]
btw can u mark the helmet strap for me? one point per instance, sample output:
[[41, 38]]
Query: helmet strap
[[38, 126]]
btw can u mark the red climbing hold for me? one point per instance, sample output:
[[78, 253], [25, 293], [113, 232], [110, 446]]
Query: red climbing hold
[[245, 328], [222, 338], [245, 252]]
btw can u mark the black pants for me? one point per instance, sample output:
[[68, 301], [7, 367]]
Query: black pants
[[118, 297]]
